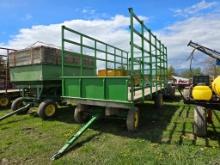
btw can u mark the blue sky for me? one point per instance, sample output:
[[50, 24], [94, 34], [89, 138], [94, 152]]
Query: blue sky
[[17, 14], [170, 19]]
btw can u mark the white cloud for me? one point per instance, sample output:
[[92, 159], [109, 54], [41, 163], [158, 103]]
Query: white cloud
[[113, 31], [203, 30], [202, 5]]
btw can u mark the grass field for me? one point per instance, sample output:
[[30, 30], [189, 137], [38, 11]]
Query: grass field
[[165, 137]]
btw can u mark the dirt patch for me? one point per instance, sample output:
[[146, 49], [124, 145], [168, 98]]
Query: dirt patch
[[28, 129]]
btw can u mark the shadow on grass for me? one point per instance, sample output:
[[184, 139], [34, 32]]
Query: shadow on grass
[[173, 99], [153, 124]]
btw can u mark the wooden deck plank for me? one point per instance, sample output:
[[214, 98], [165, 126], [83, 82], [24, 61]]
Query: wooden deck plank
[[138, 93]]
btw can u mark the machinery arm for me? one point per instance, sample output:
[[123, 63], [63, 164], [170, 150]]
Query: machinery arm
[[210, 52]]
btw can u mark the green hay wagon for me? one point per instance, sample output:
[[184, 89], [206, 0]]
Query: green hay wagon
[[121, 80], [147, 61]]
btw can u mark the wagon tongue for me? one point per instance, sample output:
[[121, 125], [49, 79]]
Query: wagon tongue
[[73, 138], [15, 112]]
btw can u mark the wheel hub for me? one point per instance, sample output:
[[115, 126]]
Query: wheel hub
[[4, 101], [136, 120], [50, 110]]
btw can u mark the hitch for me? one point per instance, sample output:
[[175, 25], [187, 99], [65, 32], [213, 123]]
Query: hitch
[[73, 138], [15, 112]]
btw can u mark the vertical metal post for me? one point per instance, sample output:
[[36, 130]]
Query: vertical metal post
[[132, 53], [114, 58], [121, 59], [142, 62], [95, 57], [166, 63], [164, 66], [156, 61], [62, 58], [106, 60], [127, 61], [160, 69], [6, 72], [151, 65], [81, 55]]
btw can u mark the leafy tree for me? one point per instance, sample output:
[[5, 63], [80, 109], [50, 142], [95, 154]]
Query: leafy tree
[[190, 73], [171, 72], [211, 68]]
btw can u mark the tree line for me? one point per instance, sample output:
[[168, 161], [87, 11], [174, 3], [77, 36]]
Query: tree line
[[208, 68]]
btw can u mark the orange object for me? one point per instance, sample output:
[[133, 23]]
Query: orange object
[[112, 72]]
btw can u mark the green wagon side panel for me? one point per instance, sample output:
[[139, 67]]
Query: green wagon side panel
[[97, 88], [116, 89], [26, 73], [45, 72], [51, 72], [93, 88], [72, 87]]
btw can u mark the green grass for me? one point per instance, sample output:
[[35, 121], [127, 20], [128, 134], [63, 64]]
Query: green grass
[[165, 137]]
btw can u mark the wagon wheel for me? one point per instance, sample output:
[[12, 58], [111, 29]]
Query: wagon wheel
[[133, 119], [200, 124], [81, 114], [158, 100], [4, 101], [47, 109], [19, 103]]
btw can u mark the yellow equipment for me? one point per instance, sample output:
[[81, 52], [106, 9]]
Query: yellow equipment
[[202, 93], [112, 72], [216, 86]]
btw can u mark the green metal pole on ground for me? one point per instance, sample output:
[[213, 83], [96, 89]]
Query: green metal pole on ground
[[72, 139], [15, 112]]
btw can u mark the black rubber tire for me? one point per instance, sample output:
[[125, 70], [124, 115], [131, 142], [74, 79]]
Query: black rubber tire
[[133, 120], [18, 103], [158, 100], [42, 109], [81, 114], [2, 104], [200, 123]]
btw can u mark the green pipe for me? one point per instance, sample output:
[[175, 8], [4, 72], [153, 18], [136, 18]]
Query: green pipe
[[15, 112], [72, 139]]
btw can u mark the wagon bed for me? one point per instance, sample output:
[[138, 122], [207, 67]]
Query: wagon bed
[[143, 70]]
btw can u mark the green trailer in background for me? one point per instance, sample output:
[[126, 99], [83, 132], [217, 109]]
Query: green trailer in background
[[8, 91], [145, 69], [36, 72]]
